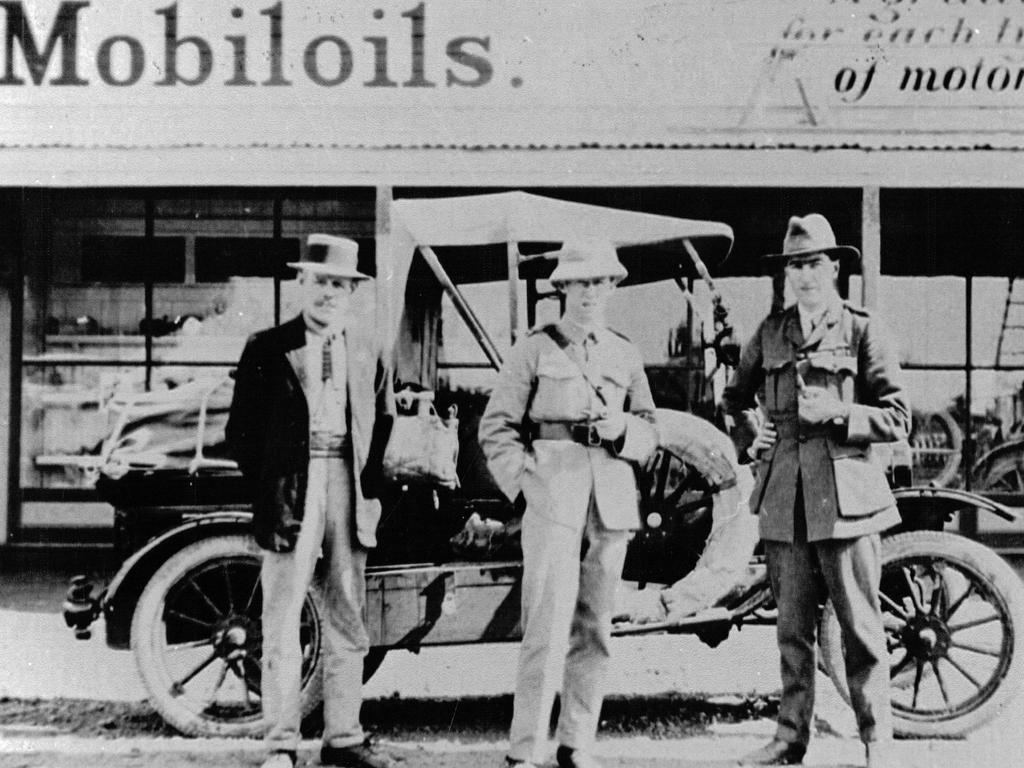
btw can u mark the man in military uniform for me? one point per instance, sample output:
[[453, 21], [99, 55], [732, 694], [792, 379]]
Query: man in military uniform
[[301, 417], [570, 409], [827, 381]]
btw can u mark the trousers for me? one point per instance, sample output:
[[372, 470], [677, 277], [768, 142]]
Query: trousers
[[569, 580], [327, 527], [848, 571]]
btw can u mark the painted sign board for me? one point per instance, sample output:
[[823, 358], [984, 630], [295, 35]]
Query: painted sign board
[[451, 73]]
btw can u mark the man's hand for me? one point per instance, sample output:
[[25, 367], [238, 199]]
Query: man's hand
[[817, 405], [764, 439], [611, 427], [479, 538]]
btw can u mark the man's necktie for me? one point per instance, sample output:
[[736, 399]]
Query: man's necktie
[[327, 368]]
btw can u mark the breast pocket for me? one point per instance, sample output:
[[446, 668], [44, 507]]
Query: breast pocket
[[561, 393], [834, 371]]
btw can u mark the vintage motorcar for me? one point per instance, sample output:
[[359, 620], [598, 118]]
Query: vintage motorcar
[[186, 600]]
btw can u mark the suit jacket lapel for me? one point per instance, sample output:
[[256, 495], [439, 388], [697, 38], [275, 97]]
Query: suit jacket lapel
[[293, 342], [793, 330]]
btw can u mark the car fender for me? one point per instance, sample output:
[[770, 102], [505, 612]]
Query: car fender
[[122, 593], [930, 508]]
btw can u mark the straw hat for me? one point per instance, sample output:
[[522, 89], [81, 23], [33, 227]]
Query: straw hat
[[331, 255]]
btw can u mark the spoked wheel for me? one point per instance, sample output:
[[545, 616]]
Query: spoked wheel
[[1002, 474], [691, 475], [936, 443], [197, 638], [953, 612]]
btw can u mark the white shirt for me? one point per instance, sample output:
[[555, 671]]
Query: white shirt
[[326, 404]]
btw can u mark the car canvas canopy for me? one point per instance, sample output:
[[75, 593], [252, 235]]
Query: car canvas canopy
[[650, 244]]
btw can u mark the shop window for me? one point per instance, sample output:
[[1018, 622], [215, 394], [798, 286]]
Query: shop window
[[220, 258], [209, 322], [116, 319], [120, 259]]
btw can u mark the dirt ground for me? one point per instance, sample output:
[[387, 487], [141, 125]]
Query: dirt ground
[[483, 718]]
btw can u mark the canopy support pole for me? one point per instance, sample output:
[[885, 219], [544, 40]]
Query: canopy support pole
[[513, 288], [461, 306]]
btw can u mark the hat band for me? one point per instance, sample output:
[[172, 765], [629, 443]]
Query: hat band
[[317, 253]]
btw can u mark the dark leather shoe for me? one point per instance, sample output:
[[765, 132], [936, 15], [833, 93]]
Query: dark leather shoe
[[363, 755], [567, 757], [776, 752]]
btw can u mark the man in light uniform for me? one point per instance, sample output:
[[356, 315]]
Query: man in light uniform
[[828, 380], [570, 409], [300, 424]]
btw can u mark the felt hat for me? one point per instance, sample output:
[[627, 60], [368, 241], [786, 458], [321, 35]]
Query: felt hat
[[808, 236]]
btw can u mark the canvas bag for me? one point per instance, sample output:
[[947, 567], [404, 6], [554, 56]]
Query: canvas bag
[[422, 447]]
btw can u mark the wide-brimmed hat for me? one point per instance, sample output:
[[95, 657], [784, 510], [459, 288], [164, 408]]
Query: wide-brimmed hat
[[807, 236], [586, 260], [331, 255]]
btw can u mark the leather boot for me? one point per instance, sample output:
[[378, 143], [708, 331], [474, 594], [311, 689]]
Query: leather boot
[[776, 752]]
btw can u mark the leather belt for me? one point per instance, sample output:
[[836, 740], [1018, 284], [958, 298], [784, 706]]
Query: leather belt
[[328, 445], [793, 428], [583, 433]]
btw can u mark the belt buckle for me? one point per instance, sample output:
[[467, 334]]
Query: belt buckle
[[593, 438]]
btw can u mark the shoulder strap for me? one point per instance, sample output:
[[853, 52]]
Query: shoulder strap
[[563, 343], [557, 336]]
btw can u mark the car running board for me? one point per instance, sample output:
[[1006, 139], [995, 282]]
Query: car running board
[[687, 624]]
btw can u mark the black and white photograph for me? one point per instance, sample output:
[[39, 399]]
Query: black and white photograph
[[486, 384]]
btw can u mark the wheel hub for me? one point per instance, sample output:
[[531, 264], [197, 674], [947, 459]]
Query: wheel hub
[[232, 638], [926, 637]]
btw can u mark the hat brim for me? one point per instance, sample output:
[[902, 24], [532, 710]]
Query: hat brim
[[325, 269], [845, 253]]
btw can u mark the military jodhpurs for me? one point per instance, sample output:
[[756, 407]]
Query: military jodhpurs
[[567, 606], [327, 523], [848, 571]]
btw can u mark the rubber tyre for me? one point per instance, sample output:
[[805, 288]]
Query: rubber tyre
[[1003, 475], [236, 554], [1002, 589]]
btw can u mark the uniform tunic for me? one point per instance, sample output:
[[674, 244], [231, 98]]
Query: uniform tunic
[[843, 484], [822, 499], [574, 494]]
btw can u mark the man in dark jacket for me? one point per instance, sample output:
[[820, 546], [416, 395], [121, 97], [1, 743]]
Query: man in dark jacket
[[826, 382], [300, 424]]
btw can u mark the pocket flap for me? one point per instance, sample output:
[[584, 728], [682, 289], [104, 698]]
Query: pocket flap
[[838, 450], [833, 363], [776, 365]]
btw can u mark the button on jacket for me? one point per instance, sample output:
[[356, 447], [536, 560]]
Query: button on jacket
[[541, 382], [845, 492]]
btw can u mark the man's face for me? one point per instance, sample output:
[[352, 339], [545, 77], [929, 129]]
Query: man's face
[[326, 297], [813, 279], [585, 300]]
